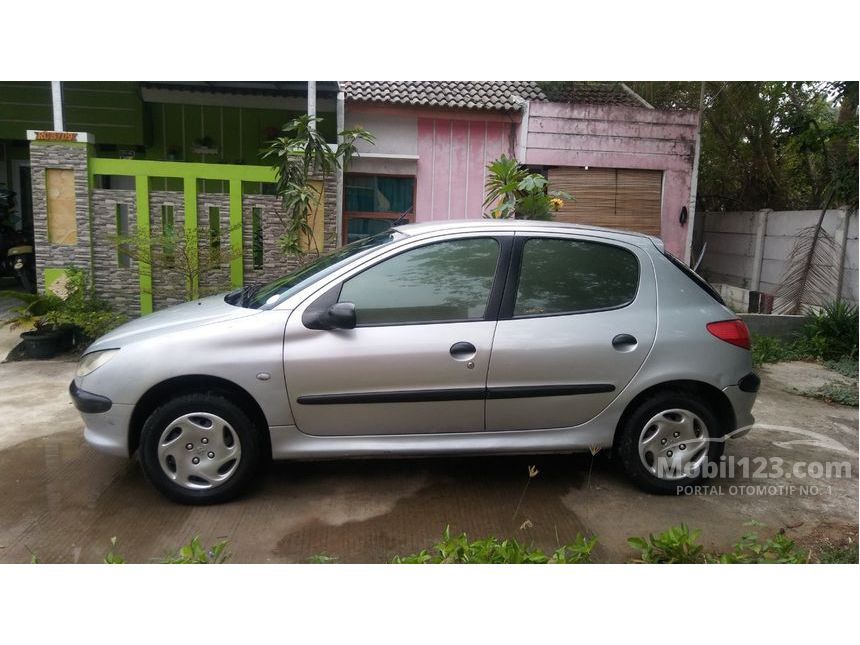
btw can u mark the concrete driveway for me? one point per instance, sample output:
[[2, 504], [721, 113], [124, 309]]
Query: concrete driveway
[[63, 501]]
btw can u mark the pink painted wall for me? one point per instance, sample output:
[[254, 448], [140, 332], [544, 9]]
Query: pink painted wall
[[604, 136], [452, 159], [454, 147]]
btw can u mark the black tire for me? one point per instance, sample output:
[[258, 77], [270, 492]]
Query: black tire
[[627, 442], [213, 403]]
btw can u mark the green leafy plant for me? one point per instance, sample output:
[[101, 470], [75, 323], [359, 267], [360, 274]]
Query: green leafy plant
[[845, 366], [513, 191], [303, 160], [677, 545], [459, 550], [32, 312], [322, 558], [779, 549], [845, 554], [112, 557], [183, 253], [80, 307], [195, 553], [832, 332], [839, 392]]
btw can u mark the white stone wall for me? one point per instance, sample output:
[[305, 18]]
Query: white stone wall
[[740, 244]]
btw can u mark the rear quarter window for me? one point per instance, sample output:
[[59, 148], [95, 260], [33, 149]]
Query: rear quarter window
[[695, 277]]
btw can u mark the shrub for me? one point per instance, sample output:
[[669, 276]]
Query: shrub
[[195, 553], [79, 306], [678, 545], [838, 392], [33, 311], [832, 332], [459, 550], [847, 554], [749, 550]]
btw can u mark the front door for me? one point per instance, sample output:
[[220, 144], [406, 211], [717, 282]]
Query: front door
[[417, 360], [578, 319]]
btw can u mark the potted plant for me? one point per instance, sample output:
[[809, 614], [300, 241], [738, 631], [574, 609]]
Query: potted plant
[[67, 314], [80, 310], [43, 339]]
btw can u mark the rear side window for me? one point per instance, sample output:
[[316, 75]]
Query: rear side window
[[573, 276], [695, 277]]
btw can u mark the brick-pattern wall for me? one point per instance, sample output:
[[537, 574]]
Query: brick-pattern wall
[[215, 277], [118, 285], [67, 156], [275, 263], [96, 247], [168, 288]]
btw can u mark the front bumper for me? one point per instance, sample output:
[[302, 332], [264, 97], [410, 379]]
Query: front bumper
[[106, 424], [87, 401]]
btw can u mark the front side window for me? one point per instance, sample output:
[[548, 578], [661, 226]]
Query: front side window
[[445, 281], [270, 295], [570, 276]]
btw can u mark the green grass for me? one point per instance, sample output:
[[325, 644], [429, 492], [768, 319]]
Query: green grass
[[846, 554], [839, 392], [845, 366]]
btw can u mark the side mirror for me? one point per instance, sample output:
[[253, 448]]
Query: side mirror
[[326, 313], [341, 315]]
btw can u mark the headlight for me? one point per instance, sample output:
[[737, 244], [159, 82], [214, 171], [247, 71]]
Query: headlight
[[94, 360]]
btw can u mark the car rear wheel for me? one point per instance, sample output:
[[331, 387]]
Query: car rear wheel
[[199, 449], [667, 441]]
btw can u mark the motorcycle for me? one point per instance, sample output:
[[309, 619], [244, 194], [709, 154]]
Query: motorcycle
[[16, 251]]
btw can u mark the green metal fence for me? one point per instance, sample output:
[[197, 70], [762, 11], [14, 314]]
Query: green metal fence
[[189, 173]]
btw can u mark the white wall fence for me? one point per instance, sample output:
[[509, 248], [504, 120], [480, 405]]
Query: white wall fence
[[749, 249]]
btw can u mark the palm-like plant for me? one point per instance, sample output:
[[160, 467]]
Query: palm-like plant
[[299, 156], [513, 191]]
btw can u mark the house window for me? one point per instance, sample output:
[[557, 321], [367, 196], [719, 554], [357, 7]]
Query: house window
[[374, 202]]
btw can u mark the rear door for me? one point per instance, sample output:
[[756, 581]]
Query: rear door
[[578, 318]]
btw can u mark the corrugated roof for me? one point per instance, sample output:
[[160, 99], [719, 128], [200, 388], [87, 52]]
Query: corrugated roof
[[486, 95]]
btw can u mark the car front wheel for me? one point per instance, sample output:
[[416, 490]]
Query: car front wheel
[[199, 449], [668, 440]]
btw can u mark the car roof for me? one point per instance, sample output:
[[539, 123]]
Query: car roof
[[523, 226]]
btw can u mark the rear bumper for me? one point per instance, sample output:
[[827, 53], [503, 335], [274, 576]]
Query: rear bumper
[[742, 398]]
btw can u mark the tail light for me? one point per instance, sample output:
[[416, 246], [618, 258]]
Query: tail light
[[731, 331]]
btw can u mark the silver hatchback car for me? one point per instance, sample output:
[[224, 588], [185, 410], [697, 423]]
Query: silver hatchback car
[[477, 337]]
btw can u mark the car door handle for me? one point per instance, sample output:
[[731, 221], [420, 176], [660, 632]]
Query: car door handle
[[624, 342], [463, 350]]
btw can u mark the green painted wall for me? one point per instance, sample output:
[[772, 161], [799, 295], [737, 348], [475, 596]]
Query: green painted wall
[[113, 112]]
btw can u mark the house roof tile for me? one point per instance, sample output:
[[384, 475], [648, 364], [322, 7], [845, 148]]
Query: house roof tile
[[486, 95]]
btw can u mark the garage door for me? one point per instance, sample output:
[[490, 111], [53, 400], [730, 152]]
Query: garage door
[[615, 198]]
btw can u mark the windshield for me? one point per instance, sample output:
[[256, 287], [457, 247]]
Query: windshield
[[269, 295]]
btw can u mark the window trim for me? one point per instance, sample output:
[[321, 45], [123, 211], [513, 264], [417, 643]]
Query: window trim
[[388, 215], [512, 283], [331, 293]]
